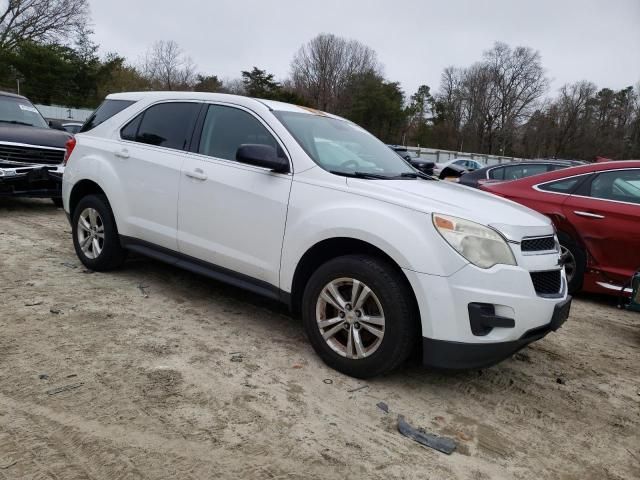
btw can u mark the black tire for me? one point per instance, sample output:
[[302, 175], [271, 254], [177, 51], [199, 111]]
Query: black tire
[[401, 330], [579, 262], [57, 201], [112, 254]]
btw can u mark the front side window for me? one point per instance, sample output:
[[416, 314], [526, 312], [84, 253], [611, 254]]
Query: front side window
[[166, 125], [225, 129], [20, 111], [619, 185], [342, 147]]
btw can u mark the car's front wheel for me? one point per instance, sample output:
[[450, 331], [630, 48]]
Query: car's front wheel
[[359, 315], [574, 260], [95, 235]]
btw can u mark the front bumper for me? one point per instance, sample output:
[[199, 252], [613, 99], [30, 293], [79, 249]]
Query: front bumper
[[35, 181], [457, 355], [508, 312]]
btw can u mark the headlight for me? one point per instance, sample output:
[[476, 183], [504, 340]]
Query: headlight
[[482, 246]]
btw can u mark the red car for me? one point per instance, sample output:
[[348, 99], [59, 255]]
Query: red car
[[596, 210]]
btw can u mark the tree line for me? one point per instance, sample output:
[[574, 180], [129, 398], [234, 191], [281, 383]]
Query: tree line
[[499, 105]]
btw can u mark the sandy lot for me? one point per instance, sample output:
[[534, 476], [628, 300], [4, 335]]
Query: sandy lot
[[190, 379]]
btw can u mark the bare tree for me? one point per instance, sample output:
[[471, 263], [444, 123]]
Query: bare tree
[[40, 20], [167, 67], [322, 68], [518, 82], [569, 109], [487, 103]]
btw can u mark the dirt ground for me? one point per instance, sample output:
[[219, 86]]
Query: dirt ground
[[173, 376]]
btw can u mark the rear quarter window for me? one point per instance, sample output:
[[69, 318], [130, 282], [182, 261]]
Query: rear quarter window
[[104, 112], [561, 186]]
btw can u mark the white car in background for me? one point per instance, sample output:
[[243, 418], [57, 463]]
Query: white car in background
[[309, 209], [464, 163]]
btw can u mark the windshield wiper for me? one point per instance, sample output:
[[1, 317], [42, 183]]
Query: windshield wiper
[[416, 175], [16, 122], [369, 176]]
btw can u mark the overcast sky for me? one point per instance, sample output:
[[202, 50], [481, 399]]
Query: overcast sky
[[596, 40]]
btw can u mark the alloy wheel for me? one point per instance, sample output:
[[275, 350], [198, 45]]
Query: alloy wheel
[[569, 262], [350, 318], [90, 233]]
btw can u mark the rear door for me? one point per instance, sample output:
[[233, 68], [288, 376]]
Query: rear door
[[605, 212], [150, 161], [231, 214]]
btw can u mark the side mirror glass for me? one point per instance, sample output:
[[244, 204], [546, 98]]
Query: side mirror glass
[[264, 156]]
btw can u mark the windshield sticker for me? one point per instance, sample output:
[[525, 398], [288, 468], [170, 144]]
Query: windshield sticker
[[28, 108]]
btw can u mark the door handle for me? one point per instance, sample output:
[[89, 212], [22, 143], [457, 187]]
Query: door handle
[[124, 153], [197, 174], [587, 214]]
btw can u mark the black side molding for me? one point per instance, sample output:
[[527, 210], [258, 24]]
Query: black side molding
[[203, 268]]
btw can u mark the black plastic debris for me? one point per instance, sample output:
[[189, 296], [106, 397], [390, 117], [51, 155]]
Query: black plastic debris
[[357, 389], [143, 290], [383, 406], [442, 444], [65, 388]]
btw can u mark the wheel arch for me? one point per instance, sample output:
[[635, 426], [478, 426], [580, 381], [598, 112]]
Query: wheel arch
[[331, 248], [80, 190]]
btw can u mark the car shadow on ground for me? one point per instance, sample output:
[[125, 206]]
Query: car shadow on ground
[[12, 204]]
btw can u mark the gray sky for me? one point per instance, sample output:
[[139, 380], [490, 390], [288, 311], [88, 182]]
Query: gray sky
[[596, 40]]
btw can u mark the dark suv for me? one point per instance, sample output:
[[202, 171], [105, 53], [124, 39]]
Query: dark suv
[[31, 153]]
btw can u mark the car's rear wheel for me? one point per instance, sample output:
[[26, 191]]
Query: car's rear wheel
[[359, 315], [574, 260], [95, 235]]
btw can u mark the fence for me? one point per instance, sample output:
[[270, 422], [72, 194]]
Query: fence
[[442, 156], [57, 112]]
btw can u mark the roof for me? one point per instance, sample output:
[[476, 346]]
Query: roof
[[8, 94], [218, 97]]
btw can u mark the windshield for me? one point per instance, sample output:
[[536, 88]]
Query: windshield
[[342, 147], [21, 112]]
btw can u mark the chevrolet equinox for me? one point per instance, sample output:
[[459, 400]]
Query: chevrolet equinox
[[310, 209]]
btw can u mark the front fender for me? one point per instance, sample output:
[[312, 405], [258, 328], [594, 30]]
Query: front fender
[[406, 235]]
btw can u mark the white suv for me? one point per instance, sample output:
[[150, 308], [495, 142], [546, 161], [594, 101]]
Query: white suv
[[309, 209]]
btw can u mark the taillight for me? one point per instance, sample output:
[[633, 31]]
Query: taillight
[[69, 146]]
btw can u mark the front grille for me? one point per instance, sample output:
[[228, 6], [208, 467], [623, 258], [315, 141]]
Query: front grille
[[538, 244], [547, 283], [15, 153]]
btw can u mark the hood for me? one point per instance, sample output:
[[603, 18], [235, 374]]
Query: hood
[[449, 198], [44, 137]]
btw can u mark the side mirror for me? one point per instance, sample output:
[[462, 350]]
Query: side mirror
[[56, 125], [264, 156]]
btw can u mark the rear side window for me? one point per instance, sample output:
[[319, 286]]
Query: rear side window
[[226, 128], [104, 112], [515, 172], [166, 125]]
